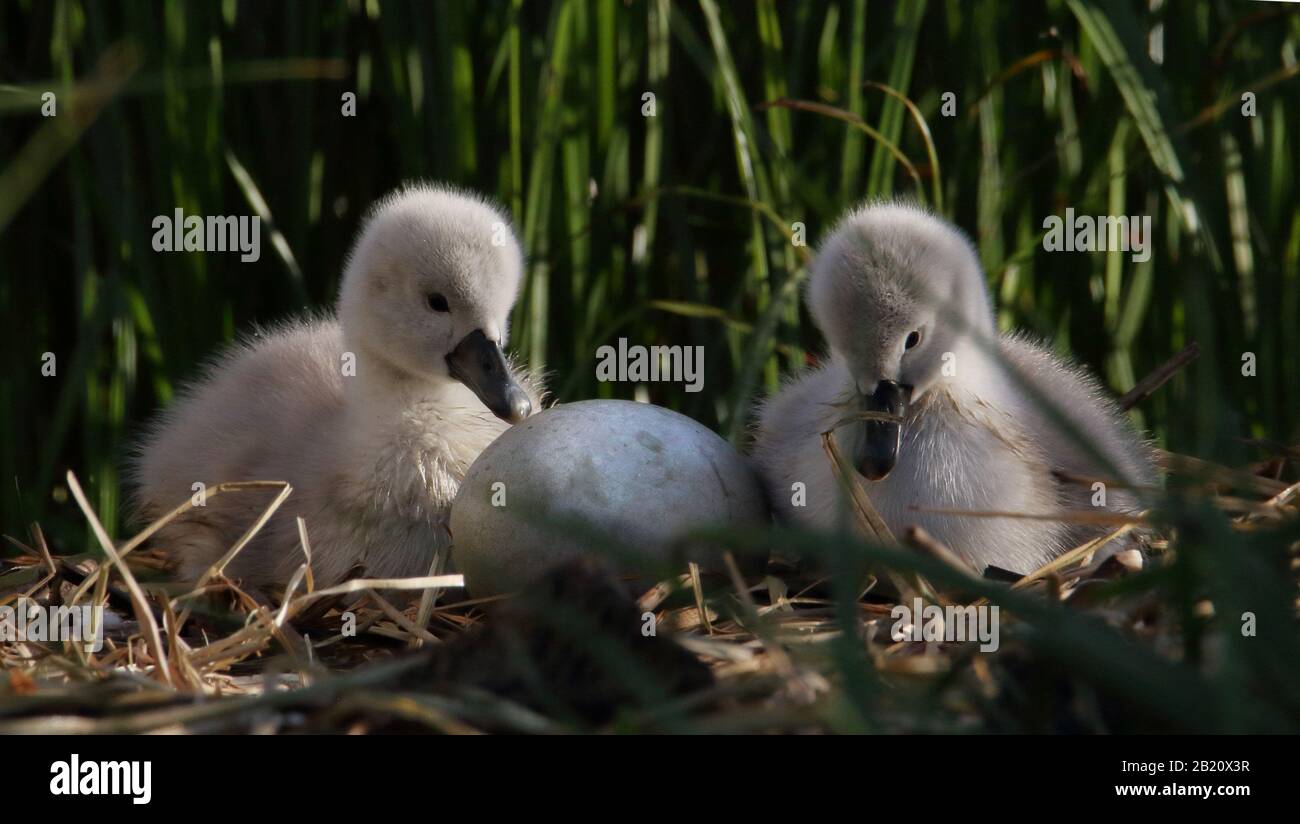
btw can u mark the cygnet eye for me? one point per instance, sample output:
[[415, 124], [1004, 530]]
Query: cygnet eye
[[912, 339], [438, 303]]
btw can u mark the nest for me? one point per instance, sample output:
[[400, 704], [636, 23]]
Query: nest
[[798, 647]]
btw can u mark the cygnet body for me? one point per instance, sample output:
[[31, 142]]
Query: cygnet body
[[983, 421], [372, 416]]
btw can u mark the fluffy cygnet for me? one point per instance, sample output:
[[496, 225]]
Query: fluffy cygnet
[[901, 299], [373, 417]]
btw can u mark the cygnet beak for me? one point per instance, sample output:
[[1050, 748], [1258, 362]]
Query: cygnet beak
[[878, 448], [480, 364]]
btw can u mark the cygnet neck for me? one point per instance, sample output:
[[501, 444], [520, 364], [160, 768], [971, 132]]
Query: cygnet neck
[[981, 372], [380, 394]]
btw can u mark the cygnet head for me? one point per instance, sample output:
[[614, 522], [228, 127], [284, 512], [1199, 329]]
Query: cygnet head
[[894, 289], [428, 289]]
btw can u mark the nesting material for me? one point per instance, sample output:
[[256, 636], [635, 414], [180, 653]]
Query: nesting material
[[770, 649]]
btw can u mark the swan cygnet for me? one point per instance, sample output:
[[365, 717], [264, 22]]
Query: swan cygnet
[[373, 416], [900, 297]]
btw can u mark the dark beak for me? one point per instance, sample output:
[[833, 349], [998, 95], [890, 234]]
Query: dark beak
[[480, 364], [878, 450]]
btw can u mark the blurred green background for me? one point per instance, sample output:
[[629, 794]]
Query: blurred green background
[[671, 229]]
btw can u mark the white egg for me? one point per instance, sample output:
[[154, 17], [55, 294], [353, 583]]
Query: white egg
[[615, 478]]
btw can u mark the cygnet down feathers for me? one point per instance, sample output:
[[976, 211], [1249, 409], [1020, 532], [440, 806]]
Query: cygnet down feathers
[[373, 416], [900, 297]]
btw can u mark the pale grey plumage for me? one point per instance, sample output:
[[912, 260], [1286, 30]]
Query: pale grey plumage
[[375, 458], [971, 440]]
